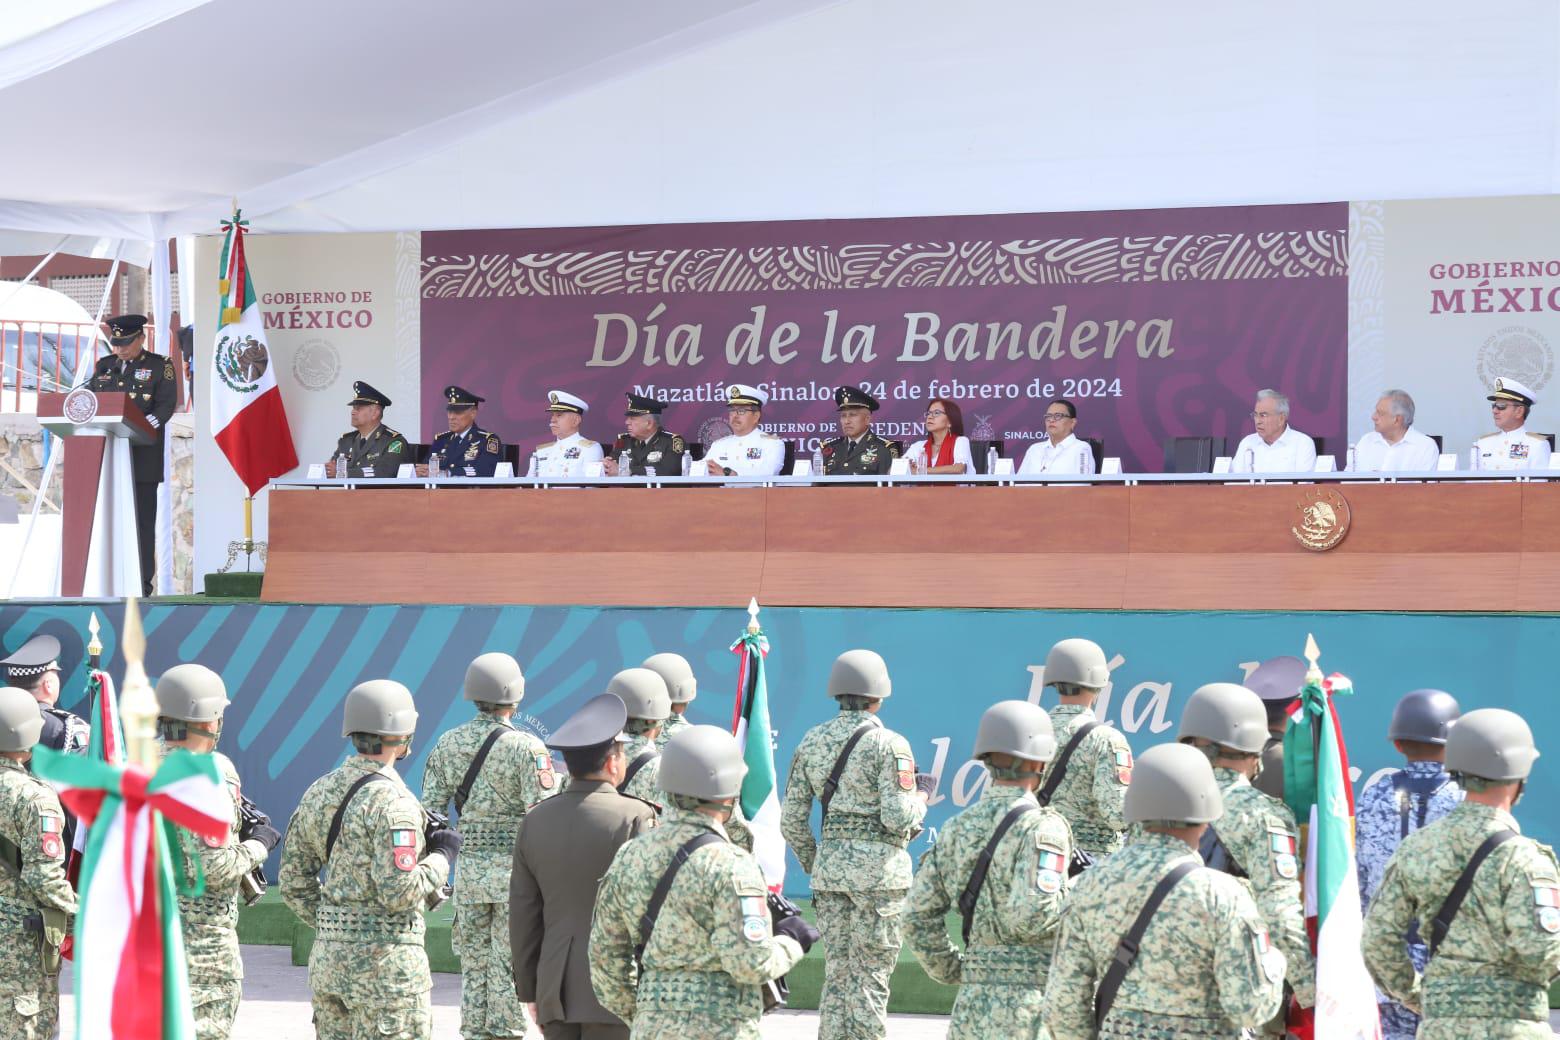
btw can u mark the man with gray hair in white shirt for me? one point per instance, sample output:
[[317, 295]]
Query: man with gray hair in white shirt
[[1394, 446], [1276, 447]]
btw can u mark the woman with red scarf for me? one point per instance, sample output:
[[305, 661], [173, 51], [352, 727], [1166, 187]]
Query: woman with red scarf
[[945, 449]]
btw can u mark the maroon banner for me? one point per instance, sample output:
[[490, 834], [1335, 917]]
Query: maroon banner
[[1155, 323]]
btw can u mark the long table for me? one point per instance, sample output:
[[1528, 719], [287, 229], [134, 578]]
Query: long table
[[1475, 542]]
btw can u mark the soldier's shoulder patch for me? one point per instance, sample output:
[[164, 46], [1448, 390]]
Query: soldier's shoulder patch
[[1284, 848], [544, 769], [168, 370], [893, 449], [50, 827], [403, 848], [493, 444], [1268, 958], [1546, 904], [1052, 872], [678, 444], [216, 841], [1121, 759]]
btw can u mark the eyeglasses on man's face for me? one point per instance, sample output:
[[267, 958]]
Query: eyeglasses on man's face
[[1056, 416], [741, 410], [1264, 415], [1499, 406]]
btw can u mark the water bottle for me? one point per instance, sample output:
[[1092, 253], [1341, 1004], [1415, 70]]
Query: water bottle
[[531, 468], [435, 466], [1473, 457], [341, 465], [1348, 465], [991, 460], [625, 468], [1085, 455], [817, 462], [687, 463]]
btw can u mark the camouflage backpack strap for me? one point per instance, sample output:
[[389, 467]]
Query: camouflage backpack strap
[[971, 894], [1448, 912], [832, 784], [663, 887], [341, 811], [640, 761], [463, 792], [1054, 775], [1127, 949]]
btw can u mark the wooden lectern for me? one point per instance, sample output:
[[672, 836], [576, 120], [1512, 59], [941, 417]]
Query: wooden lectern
[[86, 420]]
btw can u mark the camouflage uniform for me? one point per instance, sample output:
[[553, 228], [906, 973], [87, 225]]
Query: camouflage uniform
[[673, 723], [860, 870], [1001, 974], [1091, 793], [646, 784], [711, 949], [1205, 970], [1260, 835], [31, 817], [517, 774], [368, 968], [1491, 976], [210, 923]]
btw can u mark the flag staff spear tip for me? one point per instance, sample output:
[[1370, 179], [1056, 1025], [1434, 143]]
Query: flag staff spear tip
[[94, 645], [752, 614], [138, 705], [1312, 654]]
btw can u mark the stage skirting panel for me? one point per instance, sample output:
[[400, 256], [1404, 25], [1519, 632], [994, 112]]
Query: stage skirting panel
[[288, 669]]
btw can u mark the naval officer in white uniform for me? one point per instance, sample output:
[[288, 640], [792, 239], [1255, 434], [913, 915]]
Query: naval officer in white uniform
[[569, 453], [749, 451], [1511, 446]]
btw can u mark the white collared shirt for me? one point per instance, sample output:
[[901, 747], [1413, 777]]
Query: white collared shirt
[[1413, 453], [564, 458], [1070, 456], [1292, 452], [1516, 449], [754, 454]]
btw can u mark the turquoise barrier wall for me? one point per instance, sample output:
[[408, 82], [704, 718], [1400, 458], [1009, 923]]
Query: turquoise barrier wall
[[288, 668]]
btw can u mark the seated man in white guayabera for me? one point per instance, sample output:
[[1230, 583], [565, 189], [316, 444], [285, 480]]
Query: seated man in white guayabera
[[1276, 447], [1394, 446]]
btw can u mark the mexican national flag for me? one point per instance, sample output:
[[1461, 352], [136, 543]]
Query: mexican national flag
[[248, 420], [107, 744], [132, 982], [750, 722], [1318, 789]]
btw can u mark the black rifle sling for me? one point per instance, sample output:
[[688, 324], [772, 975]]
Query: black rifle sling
[[10, 855], [1216, 855], [971, 894], [341, 810], [1054, 775], [1127, 950], [463, 792], [832, 784], [640, 761], [664, 886], [1448, 912]]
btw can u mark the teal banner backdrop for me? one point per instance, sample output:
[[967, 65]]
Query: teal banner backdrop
[[289, 667]]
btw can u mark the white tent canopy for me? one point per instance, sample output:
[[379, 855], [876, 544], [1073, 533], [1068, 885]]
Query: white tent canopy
[[400, 114]]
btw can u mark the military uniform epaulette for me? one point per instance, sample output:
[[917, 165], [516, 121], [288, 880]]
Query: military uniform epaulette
[[769, 436], [586, 440], [643, 801], [1538, 437]]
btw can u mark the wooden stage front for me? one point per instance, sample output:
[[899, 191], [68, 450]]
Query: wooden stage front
[[1488, 546]]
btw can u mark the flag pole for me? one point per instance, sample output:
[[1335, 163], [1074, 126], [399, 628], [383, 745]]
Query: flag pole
[[94, 645], [138, 705]]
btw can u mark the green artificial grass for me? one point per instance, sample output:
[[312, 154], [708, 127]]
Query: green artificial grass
[[234, 585]]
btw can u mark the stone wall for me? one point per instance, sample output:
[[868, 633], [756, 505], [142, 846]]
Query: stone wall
[[21, 468]]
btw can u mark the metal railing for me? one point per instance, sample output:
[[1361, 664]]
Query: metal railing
[[42, 357]]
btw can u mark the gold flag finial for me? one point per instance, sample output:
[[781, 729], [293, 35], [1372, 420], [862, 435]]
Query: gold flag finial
[[94, 645], [137, 704], [1312, 654]]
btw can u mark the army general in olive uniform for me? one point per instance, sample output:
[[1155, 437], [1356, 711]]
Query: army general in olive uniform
[[711, 945], [191, 700], [149, 382], [1489, 972], [857, 450], [35, 899], [491, 797], [860, 869], [1204, 968], [1017, 902], [368, 968], [1256, 839], [372, 448], [1094, 782], [652, 451]]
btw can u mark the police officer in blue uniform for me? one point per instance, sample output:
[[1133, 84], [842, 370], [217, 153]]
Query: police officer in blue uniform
[[465, 449]]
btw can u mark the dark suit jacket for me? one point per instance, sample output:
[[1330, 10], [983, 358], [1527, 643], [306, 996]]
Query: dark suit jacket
[[564, 848]]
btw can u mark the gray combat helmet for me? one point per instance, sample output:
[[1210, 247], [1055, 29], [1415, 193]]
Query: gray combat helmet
[[1016, 728], [21, 720], [677, 673], [380, 706], [495, 679], [1079, 662], [191, 693], [1493, 744], [1425, 716], [860, 673], [1174, 783], [702, 762], [642, 692], [1227, 714]]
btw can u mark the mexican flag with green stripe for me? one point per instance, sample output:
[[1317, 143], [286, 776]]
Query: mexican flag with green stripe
[[760, 798]]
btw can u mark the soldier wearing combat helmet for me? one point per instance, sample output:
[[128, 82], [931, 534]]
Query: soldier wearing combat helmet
[[681, 686], [368, 968], [1088, 788], [493, 774], [35, 899]]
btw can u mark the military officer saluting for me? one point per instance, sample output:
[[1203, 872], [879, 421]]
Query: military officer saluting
[[35, 667], [749, 451], [372, 448], [1486, 898], [148, 380], [465, 449], [857, 450], [35, 899], [1511, 446], [651, 449], [568, 453]]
